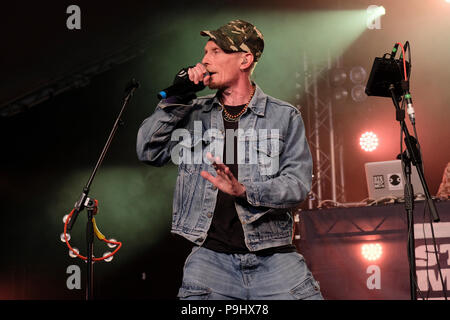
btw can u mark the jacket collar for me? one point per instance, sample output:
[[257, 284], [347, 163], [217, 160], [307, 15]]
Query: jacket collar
[[257, 104]]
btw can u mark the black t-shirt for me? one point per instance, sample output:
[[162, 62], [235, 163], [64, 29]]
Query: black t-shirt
[[226, 233]]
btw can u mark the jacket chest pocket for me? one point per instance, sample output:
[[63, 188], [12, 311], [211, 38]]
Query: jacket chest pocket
[[268, 152], [191, 151]]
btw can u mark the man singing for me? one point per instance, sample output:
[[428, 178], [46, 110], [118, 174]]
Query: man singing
[[244, 165]]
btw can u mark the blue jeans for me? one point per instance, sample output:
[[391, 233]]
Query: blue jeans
[[219, 276]]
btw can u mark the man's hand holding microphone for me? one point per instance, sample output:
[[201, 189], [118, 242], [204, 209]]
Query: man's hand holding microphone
[[199, 74], [187, 82]]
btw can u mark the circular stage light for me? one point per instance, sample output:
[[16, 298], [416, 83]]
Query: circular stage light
[[338, 76], [358, 75], [340, 94], [368, 141], [359, 93], [372, 251]]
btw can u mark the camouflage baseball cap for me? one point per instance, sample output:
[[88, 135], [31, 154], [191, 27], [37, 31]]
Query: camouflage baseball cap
[[238, 36]]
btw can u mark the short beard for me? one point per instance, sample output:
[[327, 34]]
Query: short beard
[[214, 86]]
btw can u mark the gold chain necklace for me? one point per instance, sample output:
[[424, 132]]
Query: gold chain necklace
[[233, 118]]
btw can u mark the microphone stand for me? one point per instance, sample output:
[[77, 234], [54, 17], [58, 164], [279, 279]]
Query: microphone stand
[[412, 155], [88, 203]]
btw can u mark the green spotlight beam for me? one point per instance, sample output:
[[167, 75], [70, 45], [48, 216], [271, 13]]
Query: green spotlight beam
[[288, 36]]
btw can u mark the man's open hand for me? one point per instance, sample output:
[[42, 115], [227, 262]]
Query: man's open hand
[[225, 180]]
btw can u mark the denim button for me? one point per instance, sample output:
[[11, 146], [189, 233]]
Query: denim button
[[209, 215]]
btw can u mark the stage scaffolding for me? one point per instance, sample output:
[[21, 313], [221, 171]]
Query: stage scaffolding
[[328, 182]]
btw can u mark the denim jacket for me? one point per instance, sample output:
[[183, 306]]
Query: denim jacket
[[276, 166]]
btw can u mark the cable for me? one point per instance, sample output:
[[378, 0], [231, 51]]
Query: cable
[[404, 61], [410, 225], [426, 252], [408, 96], [407, 77], [407, 48], [416, 286], [444, 290]]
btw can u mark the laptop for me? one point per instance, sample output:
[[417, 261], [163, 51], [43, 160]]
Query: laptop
[[385, 179]]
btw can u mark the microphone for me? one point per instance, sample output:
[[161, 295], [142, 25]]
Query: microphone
[[409, 108], [181, 85], [409, 103]]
